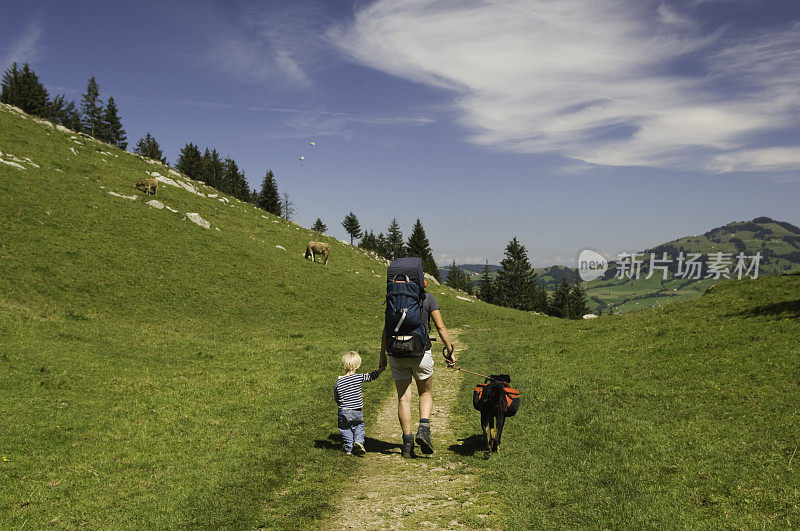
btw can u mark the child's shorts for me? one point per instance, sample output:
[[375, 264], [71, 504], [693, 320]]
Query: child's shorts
[[420, 368]]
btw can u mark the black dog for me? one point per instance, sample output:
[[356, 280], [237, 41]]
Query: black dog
[[496, 401]]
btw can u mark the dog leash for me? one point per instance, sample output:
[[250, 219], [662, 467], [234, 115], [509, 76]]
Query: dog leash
[[477, 374]]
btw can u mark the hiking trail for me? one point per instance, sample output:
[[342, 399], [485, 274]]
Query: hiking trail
[[436, 491]]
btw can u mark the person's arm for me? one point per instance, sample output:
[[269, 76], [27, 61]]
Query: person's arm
[[439, 322], [383, 361]]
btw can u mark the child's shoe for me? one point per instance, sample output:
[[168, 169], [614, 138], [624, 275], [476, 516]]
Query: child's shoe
[[358, 449]]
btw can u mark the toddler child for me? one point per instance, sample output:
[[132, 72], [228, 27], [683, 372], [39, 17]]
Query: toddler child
[[347, 392]]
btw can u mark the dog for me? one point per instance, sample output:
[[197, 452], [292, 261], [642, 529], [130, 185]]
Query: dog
[[318, 248], [496, 401]]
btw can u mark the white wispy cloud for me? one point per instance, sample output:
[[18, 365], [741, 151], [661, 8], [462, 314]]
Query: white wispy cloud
[[278, 43], [595, 81], [26, 48]]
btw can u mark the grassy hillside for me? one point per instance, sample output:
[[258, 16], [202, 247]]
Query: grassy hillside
[[158, 373], [682, 416]]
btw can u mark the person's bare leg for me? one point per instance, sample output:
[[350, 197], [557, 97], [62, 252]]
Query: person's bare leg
[[425, 389], [404, 404]]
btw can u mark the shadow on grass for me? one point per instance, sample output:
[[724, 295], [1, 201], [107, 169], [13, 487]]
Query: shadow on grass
[[334, 442], [782, 309], [470, 445]]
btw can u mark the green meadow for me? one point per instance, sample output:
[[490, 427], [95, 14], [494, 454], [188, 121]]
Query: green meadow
[[155, 373]]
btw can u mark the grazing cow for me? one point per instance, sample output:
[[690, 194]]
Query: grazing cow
[[315, 248], [147, 185], [496, 401]]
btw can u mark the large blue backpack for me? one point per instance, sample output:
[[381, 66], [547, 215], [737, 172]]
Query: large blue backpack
[[406, 333]]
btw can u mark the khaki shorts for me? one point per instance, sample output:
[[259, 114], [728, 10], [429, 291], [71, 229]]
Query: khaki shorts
[[421, 368]]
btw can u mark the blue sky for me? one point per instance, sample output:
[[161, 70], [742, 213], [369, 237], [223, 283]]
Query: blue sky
[[614, 124]]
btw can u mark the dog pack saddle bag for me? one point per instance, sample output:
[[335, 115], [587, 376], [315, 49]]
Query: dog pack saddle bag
[[512, 398], [406, 334]]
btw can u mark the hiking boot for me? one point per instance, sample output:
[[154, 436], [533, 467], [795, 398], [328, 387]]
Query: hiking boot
[[358, 449], [424, 438], [408, 446]]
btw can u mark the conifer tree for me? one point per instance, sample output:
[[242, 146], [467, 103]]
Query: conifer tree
[[64, 112], [577, 302], [352, 226], [268, 197], [369, 242], [559, 300], [234, 181], [419, 246], [516, 285], [190, 162], [148, 147], [112, 131], [457, 279], [383, 247], [395, 248], [92, 108], [319, 226], [213, 169], [21, 88], [486, 290]]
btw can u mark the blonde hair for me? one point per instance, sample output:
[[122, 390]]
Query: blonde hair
[[351, 361]]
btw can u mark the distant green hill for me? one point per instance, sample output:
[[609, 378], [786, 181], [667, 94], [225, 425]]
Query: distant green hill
[[778, 243]]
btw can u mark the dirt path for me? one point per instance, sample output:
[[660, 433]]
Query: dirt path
[[436, 491]]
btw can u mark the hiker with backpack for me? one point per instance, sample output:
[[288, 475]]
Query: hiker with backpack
[[405, 339]]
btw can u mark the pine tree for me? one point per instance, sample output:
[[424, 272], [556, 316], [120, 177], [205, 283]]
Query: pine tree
[[383, 247], [213, 169], [419, 246], [352, 226], [64, 112], [559, 300], [92, 108], [457, 279], [148, 147], [112, 131], [233, 181], [190, 162], [21, 88], [516, 285], [486, 291], [268, 197], [576, 307], [394, 241], [369, 242], [288, 206], [319, 226]]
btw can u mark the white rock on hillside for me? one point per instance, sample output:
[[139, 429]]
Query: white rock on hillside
[[195, 218], [131, 197], [464, 298], [14, 164], [173, 172], [74, 151], [281, 247], [223, 199], [590, 316], [156, 204]]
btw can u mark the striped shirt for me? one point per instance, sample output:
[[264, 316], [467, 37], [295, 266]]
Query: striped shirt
[[347, 390]]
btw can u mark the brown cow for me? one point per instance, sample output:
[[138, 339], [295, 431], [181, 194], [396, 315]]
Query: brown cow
[[147, 185], [318, 248]]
